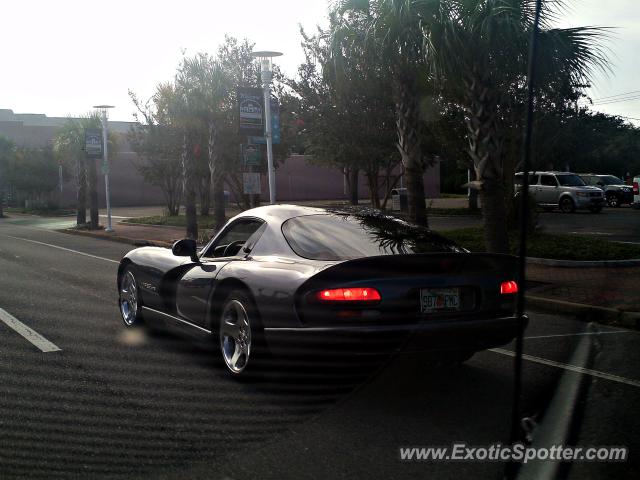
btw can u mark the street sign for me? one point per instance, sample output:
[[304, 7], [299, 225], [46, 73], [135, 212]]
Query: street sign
[[93, 142], [251, 155], [250, 107], [251, 183], [104, 166], [275, 125]]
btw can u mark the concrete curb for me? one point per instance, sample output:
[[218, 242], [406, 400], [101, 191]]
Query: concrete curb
[[118, 238], [549, 262], [609, 316]]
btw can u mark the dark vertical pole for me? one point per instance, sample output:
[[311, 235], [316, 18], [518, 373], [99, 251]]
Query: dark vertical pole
[[524, 220]]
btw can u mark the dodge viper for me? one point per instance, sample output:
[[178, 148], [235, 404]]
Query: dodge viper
[[283, 278]]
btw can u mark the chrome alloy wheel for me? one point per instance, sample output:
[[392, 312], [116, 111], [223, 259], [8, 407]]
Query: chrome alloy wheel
[[235, 336], [129, 299]]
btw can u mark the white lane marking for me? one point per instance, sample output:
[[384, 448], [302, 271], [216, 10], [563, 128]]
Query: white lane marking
[[31, 335], [568, 367], [592, 233], [63, 248], [578, 334]]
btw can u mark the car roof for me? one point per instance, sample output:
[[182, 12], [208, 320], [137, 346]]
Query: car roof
[[281, 213]]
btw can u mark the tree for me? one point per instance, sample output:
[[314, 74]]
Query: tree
[[393, 31], [478, 50], [206, 85], [158, 142], [33, 173], [345, 100], [7, 155], [69, 145]]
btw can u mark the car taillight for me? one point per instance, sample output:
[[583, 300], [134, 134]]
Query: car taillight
[[509, 287], [635, 188], [365, 294]]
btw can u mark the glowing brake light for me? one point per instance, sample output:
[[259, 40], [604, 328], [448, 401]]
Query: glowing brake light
[[349, 295], [508, 287]]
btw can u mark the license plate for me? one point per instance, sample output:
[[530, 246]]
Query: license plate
[[438, 299]]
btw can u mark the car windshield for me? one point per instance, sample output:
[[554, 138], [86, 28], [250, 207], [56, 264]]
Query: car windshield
[[610, 180], [570, 180], [344, 237]]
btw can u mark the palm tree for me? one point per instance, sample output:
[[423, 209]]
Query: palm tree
[[478, 50], [393, 30], [207, 86]]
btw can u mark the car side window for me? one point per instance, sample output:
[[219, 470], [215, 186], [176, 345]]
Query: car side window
[[548, 180], [233, 239]]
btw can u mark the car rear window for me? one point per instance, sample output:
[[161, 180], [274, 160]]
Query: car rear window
[[344, 237]]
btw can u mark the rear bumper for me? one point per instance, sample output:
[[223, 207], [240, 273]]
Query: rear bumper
[[447, 334]]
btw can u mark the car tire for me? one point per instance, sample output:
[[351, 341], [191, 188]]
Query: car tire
[[129, 301], [595, 209], [567, 205], [240, 333], [613, 200]]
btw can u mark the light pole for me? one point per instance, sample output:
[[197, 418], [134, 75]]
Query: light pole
[[105, 163], [266, 74]]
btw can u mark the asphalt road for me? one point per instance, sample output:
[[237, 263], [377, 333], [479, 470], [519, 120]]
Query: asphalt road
[[112, 405]]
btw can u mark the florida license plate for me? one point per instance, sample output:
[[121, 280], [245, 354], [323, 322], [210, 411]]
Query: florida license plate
[[439, 299]]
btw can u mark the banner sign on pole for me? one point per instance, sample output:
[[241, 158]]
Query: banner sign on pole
[[93, 142], [275, 125], [251, 155], [251, 183], [250, 106]]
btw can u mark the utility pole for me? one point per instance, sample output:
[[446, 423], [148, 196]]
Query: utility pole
[[105, 163]]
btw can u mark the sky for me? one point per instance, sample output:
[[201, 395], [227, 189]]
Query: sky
[[62, 57]]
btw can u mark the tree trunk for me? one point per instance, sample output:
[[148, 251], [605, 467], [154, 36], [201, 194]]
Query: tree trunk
[[81, 196], [219, 218], [372, 181], [408, 125], [217, 178], [352, 184], [93, 194], [473, 193], [494, 213], [485, 149], [189, 187], [205, 196]]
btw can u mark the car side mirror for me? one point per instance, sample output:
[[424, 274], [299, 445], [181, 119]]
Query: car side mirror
[[187, 247], [600, 184]]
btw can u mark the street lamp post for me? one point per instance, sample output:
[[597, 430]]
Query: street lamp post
[[266, 73], [105, 164]]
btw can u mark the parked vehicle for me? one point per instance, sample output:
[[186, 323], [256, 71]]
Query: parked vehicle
[[616, 192], [636, 192], [287, 278], [563, 190]]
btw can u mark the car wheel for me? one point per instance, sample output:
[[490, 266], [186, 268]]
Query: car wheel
[[595, 209], [613, 201], [239, 332], [567, 205], [129, 300]]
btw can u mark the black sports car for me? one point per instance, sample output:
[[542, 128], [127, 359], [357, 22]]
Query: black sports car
[[285, 276]]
